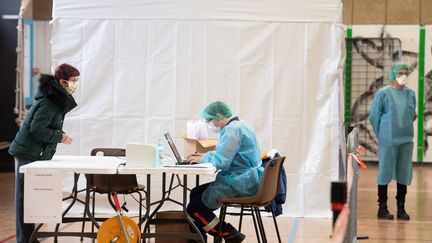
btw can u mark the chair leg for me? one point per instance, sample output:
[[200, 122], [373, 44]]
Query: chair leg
[[260, 225], [241, 218], [93, 208], [140, 209], [111, 201], [276, 225], [255, 225], [218, 238]]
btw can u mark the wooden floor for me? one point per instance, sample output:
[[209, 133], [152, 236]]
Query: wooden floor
[[307, 230], [418, 206]]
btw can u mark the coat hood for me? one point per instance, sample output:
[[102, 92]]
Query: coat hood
[[54, 92]]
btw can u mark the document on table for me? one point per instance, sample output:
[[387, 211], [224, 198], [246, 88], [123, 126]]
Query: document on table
[[200, 165], [43, 196]]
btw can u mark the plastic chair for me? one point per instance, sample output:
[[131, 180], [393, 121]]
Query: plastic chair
[[106, 184], [266, 192]]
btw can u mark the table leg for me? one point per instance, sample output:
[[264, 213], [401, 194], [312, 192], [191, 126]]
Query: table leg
[[148, 202], [187, 217]]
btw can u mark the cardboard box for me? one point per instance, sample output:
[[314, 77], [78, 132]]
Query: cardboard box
[[181, 226], [199, 146]]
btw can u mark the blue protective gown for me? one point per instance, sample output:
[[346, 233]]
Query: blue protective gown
[[392, 116], [238, 158]]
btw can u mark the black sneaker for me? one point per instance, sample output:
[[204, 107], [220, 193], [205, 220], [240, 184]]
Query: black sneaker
[[235, 238]]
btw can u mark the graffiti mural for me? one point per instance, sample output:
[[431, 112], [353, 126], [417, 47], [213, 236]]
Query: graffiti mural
[[427, 113], [372, 59]]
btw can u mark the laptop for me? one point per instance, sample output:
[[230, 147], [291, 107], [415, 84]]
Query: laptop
[[179, 159], [140, 155]]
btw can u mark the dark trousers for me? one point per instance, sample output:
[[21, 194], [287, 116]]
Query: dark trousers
[[23, 231], [204, 217]]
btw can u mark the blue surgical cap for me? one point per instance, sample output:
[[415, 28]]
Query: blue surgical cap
[[398, 67]]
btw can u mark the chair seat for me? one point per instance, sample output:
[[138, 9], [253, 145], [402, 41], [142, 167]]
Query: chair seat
[[122, 184], [119, 189], [243, 201]]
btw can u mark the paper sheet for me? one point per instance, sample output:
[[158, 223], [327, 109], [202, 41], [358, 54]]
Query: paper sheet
[[43, 196]]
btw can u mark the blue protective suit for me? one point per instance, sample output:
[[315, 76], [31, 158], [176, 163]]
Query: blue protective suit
[[392, 115], [238, 158]]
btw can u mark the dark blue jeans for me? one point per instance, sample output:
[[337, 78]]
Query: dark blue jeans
[[23, 231]]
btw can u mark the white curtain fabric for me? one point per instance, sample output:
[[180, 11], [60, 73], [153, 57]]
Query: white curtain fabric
[[141, 78], [255, 10]]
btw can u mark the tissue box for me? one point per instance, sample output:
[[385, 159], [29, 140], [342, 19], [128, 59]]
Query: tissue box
[[200, 146]]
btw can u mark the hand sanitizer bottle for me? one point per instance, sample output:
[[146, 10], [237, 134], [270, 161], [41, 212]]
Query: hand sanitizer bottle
[[159, 153]]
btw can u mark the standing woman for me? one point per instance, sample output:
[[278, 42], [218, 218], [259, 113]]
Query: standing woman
[[392, 115], [41, 131]]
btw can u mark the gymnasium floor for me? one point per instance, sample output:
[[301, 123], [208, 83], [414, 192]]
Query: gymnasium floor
[[307, 230]]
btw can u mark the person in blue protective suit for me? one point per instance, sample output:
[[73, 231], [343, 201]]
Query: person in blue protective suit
[[238, 159], [392, 115]]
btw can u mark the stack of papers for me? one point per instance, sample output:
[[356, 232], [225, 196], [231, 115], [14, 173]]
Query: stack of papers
[[197, 129], [201, 165]]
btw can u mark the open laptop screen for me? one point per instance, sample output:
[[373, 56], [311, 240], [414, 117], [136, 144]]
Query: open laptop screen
[[173, 147]]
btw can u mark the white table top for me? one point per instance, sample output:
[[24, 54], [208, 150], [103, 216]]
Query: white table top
[[206, 169], [78, 164], [111, 165]]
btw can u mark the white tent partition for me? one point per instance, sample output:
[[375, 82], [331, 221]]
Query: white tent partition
[[149, 66]]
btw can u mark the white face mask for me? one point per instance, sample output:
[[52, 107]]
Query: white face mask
[[213, 128], [402, 79]]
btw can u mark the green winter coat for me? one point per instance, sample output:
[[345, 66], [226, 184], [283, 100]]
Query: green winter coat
[[41, 131]]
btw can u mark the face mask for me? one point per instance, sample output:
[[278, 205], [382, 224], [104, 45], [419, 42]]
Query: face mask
[[213, 128], [71, 88], [402, 79]]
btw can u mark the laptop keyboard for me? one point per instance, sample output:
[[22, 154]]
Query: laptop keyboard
[[183, 162]]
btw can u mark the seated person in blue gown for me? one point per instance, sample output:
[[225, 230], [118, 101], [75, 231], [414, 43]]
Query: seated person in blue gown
[[238, 159]]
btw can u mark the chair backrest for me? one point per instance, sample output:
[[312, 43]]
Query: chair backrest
[[270, 181], [108, 151], [119, 183]]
